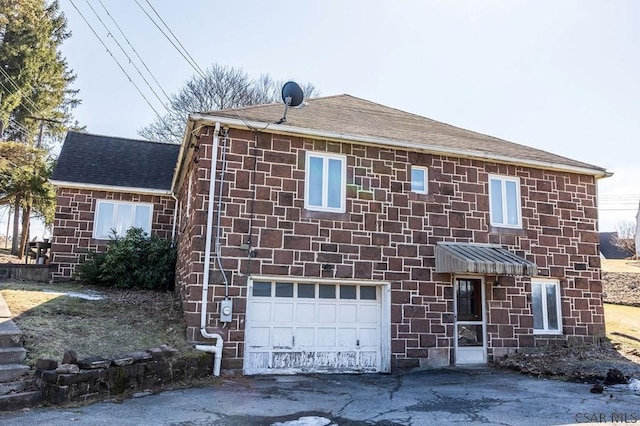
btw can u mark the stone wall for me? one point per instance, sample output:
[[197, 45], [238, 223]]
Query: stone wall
[[389, 233], [99, 378], [17, 271], [73, 226]]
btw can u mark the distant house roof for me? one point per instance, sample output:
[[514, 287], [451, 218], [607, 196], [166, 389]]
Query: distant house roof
[[609, 250], [88, 160], [348, 116]]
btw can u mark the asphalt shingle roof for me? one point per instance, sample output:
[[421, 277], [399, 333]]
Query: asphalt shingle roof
[[103, 160], [348, 115]]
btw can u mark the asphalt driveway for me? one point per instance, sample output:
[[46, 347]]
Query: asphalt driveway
[[448, 396]]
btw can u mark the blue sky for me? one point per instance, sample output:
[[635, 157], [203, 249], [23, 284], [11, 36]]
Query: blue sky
[[559, 76]]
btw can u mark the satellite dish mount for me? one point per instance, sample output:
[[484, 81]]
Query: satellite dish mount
[[292, 96]]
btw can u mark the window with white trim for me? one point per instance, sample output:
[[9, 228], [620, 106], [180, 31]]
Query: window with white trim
[[325, 181], [419, 179], [546, 307], [504, 201], [120, 216]]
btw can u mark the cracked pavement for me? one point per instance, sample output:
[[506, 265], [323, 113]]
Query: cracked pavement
[[447, 396]]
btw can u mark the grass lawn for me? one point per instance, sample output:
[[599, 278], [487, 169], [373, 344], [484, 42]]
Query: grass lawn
[[121, 321], [623, 325]]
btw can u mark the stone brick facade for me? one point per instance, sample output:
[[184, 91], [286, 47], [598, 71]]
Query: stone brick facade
[[388, 233], [73, 226]]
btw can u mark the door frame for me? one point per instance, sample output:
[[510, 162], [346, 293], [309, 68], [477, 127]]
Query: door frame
[[483, 322]]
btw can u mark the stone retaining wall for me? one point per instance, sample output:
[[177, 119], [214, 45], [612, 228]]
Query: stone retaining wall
[[18, 271], [98, 378]]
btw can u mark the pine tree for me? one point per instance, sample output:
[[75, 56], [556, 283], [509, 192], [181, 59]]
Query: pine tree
[[35, 90]]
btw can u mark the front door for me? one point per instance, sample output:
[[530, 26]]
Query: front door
[[470, 325]]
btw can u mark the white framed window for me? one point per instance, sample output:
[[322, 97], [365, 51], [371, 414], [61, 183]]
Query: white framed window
[[419, 179], [120, 216], [325, 184], [504, 201], [546, 307]]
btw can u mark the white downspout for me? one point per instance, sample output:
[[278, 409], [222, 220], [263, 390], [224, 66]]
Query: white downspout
[[217, 349], [175, 217]]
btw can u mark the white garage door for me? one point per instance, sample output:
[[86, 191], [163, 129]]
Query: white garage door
[[297, 327]]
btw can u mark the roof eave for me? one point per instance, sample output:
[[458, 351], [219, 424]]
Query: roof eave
[[113, 188], [298, 131], [185, 148]]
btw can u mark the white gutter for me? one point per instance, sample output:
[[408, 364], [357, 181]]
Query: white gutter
[[148, 191], [217, 349], [292, 130]]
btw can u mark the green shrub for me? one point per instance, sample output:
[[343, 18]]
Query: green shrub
[[133, 261], [89, 270]]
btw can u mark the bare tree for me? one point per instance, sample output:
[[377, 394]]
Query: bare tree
[[222, 87], [625, 238]]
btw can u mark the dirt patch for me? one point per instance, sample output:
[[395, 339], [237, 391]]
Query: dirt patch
[[122, 321], [7, 257], [581, 364]]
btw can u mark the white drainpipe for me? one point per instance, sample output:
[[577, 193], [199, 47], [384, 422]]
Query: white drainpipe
[[217, 349]]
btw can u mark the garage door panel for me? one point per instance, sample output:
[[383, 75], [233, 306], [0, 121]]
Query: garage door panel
[[327, 313], [369, 314], [260, 337], [282, 337], [369, 337], [348, 313], [305, 312], [326, 337], [285, 360], [305, 337], [259, 360], [283, 312], [261, 311], [347, 337], [368, 359]]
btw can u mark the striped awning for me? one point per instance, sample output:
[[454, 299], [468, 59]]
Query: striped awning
[[488, 259]]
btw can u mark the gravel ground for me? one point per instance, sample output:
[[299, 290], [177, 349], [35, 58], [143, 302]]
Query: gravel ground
[[622, 288]]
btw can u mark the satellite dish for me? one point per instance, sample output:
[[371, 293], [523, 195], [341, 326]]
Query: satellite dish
[[292, 94]]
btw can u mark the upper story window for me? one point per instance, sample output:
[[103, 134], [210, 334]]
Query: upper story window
[[419, 179], [120, 216], [504, 201], [325, 186], [545, 304]]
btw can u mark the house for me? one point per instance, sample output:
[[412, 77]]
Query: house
[[609, 250], [354, 237], [106, 183]]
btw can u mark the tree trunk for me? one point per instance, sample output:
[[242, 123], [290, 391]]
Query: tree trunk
[[6, 235], [16, 227], [26, 219]]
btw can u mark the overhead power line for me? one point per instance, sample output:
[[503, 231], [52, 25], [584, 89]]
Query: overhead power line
[[110, 33], [114, 58], [184, 53], [18, 90], [134, 51]]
